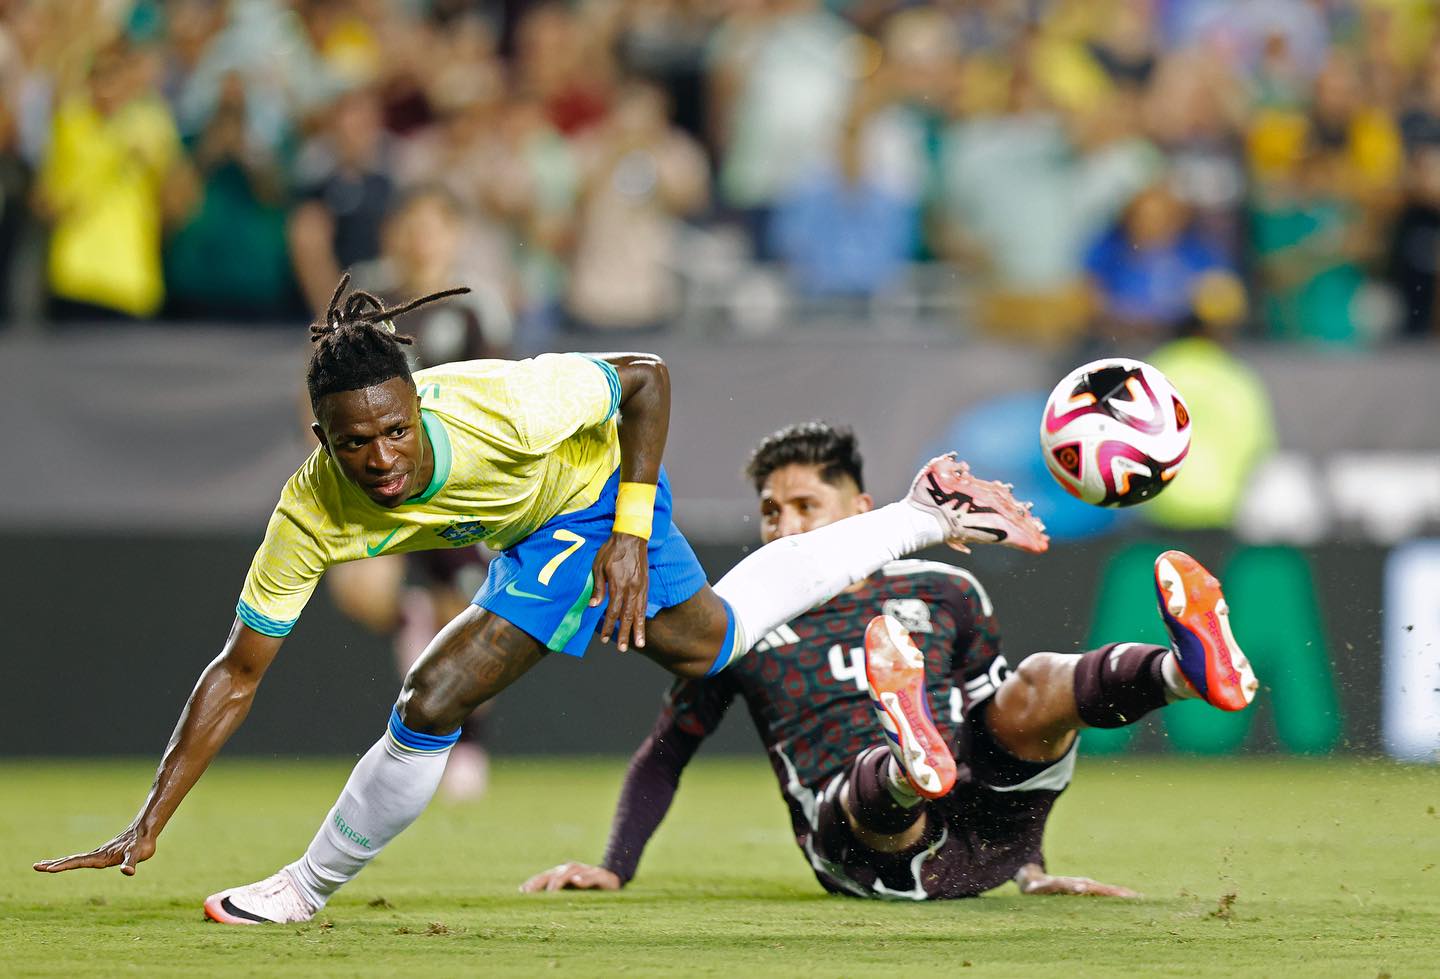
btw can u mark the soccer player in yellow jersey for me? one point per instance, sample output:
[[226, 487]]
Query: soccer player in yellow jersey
[[554, 462]]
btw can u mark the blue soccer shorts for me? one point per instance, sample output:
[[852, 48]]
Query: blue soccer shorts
[[543, 583]]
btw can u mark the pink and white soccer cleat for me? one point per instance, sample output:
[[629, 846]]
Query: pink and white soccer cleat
[[895, 669], [274, 900], [975, 511], [1195, 612]]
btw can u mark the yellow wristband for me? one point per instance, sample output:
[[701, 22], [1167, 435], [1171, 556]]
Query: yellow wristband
[[634, 509]]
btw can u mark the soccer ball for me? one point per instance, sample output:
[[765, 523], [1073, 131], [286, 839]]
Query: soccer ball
[[1115, 432]]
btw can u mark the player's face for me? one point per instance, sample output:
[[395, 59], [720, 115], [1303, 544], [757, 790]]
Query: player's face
[[374, 436], [795, 499]]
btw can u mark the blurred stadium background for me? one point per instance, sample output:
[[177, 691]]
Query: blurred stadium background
[[908, 217]]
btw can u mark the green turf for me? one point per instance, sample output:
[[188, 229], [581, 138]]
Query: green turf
[[1260, 868]]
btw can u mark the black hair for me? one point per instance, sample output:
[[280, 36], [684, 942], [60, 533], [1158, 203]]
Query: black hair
[[356, 346], [815, 443]]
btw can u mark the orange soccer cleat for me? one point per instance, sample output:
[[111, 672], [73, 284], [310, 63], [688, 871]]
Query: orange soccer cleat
[[895, 669], [1195, 612]]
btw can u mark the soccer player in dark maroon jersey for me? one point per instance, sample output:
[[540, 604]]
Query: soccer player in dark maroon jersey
[[941, 804]]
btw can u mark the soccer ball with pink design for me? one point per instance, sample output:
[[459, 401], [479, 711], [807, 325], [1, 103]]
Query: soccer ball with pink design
[[1115, 432]]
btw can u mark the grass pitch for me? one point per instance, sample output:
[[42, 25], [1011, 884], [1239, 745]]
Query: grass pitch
[[1255, 868]]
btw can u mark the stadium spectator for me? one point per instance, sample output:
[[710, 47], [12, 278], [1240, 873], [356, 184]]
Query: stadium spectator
[[665, 41], [851, 228], [229, 260], [640, 176], [1308, 242], [267, 45], [564, 65], [1021, 129], [1146, 268], [1414, 257], [1192, 112], [345, 190], [463, 151], [1027, 191], [423, 252], [1420, 123], [534, 187], [843, 232], [781, 80], [112, 177]]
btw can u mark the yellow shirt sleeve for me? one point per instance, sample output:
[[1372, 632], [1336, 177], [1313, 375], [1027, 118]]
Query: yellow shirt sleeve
[[556, 395], [285, 570]]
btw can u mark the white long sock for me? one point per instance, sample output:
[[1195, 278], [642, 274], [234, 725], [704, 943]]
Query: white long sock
[[388, 789], [1177, 687], [899, 786], [794, 574]]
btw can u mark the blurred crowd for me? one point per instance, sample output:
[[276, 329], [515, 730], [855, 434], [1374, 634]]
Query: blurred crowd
[[1043, 170]]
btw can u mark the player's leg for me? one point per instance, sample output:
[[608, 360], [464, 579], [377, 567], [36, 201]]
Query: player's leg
[[880, 805], [448, 580], [794, 574], [369, 591], [1051, 695], [473, 658], [870, 837]]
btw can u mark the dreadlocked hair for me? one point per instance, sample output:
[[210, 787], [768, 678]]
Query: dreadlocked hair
[[356, 345]]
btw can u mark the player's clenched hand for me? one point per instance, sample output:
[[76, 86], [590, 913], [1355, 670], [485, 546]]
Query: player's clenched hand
[[622, 570], [572, 877], [127, 850], [1033, 880]]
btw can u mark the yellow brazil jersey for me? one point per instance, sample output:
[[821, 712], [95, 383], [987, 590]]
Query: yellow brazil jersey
[[515, 444]]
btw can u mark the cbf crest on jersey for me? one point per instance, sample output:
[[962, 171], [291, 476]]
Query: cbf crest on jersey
[[912, 613]]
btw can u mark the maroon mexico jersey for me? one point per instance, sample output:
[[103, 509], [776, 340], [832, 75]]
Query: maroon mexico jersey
[[805, 688], [804, 683]]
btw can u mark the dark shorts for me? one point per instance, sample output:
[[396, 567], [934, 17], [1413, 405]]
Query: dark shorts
[[543, 584], [976, 838]]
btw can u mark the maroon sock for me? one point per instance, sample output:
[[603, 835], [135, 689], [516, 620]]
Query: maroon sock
[[1120, 683], [868, 794]]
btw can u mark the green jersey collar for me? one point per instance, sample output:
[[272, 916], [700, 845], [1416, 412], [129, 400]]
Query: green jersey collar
[[440, 445]]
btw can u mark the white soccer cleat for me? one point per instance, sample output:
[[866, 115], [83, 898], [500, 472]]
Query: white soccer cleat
[[274, 900], [975, 511]]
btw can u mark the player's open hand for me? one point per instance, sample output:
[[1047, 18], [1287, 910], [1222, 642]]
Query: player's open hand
[[622, 571], [572, 876], [1033, 880], [128, 849]]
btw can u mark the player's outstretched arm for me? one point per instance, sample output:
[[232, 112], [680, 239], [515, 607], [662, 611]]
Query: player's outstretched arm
[[692, 712], [621, 567], [1032, 879], [217, 705]]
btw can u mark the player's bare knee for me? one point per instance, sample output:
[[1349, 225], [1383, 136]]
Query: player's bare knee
[[687, 639], [1030, 711], [427, 702], [1040, 673]]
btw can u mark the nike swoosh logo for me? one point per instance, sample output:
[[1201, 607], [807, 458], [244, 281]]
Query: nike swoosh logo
[[377, 548], [510, 589]]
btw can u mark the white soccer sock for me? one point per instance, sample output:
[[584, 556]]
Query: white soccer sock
[[1176, 686], [388, 789], [794, 574], [899, 786]]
